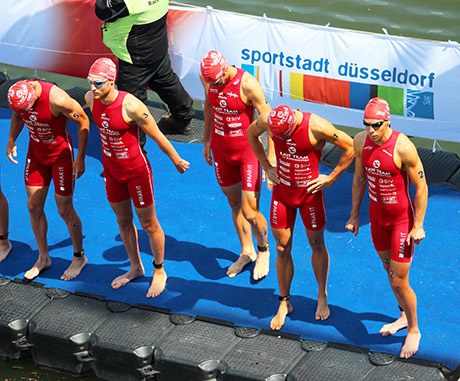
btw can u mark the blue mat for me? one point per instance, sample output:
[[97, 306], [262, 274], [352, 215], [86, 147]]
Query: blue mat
[[201, 244]]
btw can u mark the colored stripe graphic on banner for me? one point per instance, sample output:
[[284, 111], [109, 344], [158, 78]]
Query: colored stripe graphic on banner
[[355, 95], [251, 69]]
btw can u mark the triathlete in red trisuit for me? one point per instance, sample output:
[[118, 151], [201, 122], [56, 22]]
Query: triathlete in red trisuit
[[45, 108], [127, 173], [299, 138], [232, 94], [390, 161]]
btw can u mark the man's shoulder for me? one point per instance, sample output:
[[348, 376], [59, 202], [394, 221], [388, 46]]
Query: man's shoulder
[[57, 96], [131, 104], [404, 146], [359, 140]]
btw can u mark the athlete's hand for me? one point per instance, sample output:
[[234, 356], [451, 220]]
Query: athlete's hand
[[269, 182], [78, 167], [272, 175], [318, 184], [207, 153], [182, 165], [11, 151], [353, 225], [417, 234]]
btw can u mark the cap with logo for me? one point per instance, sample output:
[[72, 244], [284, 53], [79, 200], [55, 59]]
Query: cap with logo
[[281, 121], [377, 109], [105, 68], [21, 96], [213, 66]]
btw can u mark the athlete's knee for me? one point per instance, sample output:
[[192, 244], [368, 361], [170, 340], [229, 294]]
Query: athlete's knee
[[283, 249], [317, 245], [398, 284], [151, 227], [66, 210], [125, 222], [250, 214], [35, 209]]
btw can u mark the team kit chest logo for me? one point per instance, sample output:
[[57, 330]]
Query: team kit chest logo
[[376, 164], [223, 103], [292, 150], [105, 124], [33, 118]]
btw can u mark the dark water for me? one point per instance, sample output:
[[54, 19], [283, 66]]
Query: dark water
[[433, 20], [26, 370]]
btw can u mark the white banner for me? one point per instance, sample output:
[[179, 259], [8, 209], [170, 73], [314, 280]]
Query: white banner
[[330, 72], [327, 71]]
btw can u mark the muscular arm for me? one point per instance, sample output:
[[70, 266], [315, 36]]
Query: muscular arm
[[16, 126], [323, 131], [62, 104], [207, 109], [410, 161], [257, 128], [359, 184], [134, 111], [252, 94]]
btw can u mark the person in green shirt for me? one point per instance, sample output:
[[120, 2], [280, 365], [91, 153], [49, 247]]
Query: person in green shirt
[[135, 31]]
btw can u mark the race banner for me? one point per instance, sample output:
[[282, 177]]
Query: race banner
[[330, 72], [58, 36]]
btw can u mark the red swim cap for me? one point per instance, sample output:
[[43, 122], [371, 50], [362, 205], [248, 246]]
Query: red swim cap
[[213, 66], [281, 121], [104, 68], [377, 109], [21, 96]]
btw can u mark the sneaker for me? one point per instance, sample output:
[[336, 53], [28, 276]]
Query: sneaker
[[170, 126]]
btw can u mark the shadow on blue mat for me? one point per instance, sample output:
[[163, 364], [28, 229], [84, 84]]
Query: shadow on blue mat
[[201, 243]]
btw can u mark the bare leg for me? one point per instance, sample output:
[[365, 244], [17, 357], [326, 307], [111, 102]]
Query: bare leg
[[128, 233], [285, 272], [243, 230], [401, 322], [5, 244], [320, 263], [399, 281], [251, 212], [73, 223], [150, 224], [36, 203], [398, 276]]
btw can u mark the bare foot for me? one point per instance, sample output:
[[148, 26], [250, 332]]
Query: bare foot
[[322, 309], [40, 265], [132, 274], [392, 328], [284, 309], [410, 346], [5, 249], [158, 283], [75, 268], [239, 265], [262, 265]]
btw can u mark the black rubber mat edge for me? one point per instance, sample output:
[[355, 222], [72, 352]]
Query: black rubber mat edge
[[149, 307], [89, 295], [28, 282], [284, 335], [215, 321], [348, 347]]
